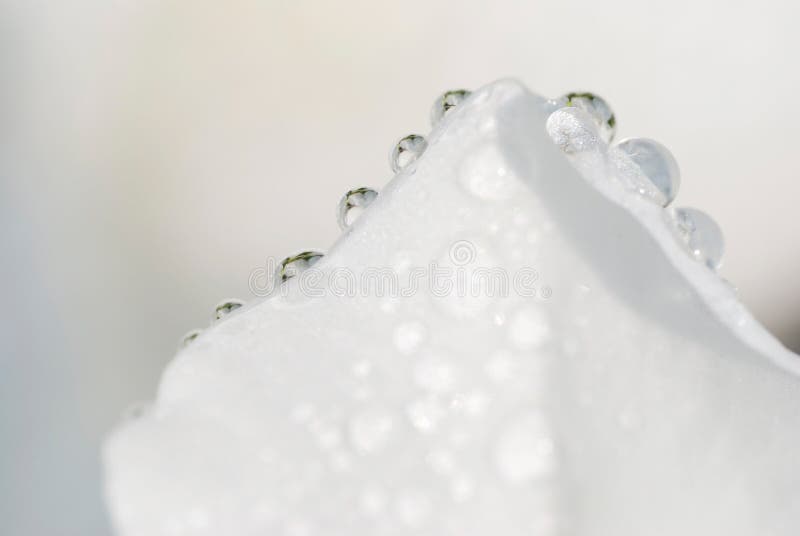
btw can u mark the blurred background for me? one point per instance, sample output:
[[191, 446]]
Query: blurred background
[[155, 152]]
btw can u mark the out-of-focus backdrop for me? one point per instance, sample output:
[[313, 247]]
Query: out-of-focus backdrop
[[155, 152]]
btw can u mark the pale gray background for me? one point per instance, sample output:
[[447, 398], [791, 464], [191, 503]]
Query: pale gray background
[[154, 153]]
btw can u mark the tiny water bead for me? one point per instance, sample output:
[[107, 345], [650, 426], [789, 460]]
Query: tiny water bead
[[701, 235], [573, 130], [370, 430], [406, 151], [597, 108], [525, 450], [647, 167], [446, 102], [296, 264], [352, 203], [190, 337], [226, 307]]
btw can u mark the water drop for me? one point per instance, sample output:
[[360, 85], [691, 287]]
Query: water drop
[[434, 374], [425, 414], [441, 461], [406, 152], [413, 507], [135, 411], [296, 264], [597, 108], [529, 329], [500, 367], [353, 203], [408, 337], [446, 102], [370, 430], [701, 235], [526, 450], [373, 501], [190, 337], [647, 167], [462, 488], [226, 307], [573, 130]]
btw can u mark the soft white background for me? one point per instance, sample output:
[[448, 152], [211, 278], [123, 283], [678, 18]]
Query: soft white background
[[154, 153]]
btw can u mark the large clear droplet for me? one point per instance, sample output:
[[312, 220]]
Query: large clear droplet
[[573, 130], [647, 167], [226, 307], [190, 337], [597, 108], [446, 102], [406, 152], [292, 266], [701, 235], [353, 203]]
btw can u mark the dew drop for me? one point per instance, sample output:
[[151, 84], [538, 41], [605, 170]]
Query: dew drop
[[462, 488], [353, 203], [573, 130], [597, 108], [525, 450], [370, 430], [296, 264], [327, 436], [446, 102], [425, 414], [226, 307], [406, 152], [373, 501], [500, 367], [413, 507], [135, 411], [647, 167], [190, 337], [485, 173], [701, 235], [529, 328], [408, 337], [434, 374], [441, 461]]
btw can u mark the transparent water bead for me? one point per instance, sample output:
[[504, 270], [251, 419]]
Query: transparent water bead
[[446, 102], [648, 167], [296, 264], [353, 203], [573, 130], [701, 235], [406, 151], [226, 307], [597, 108], [190, 337]]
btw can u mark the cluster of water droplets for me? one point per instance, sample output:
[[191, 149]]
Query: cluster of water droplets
[[401, 158], [583, 123]]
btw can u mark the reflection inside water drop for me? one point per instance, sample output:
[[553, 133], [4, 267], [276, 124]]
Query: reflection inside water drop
[[646, 166], [352, 204], [597, 109], [700, 235], [446, 102], [226, 307], [292, 266], [190, 337], [573, 130], [406, 152]]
